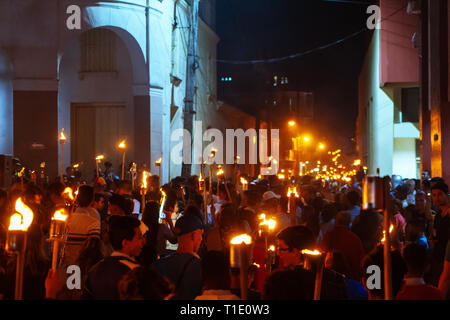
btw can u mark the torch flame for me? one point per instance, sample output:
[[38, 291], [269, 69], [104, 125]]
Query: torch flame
[[220, 172], [292, 191], [100, 157], [243, 181], [243, 238], [59, 215], [144, 179], [20, 174], [68, 191], [62, 136], [311, 252], [272, 248], [271, 223], [158, 161], [122, 144], [23, 217], [281, 176]]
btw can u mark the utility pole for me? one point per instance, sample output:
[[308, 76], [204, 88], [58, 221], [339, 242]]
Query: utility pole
[[189, 111]]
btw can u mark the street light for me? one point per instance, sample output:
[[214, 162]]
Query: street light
[[306, 139], [321, 146]]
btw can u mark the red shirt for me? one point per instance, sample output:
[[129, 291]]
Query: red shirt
[[343, 240], [420, 292]]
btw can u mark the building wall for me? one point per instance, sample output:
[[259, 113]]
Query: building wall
[[34, 35], [404, 161], [375, 115], [398, 58]]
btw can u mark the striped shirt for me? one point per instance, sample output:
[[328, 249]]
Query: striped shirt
[[81, 225]]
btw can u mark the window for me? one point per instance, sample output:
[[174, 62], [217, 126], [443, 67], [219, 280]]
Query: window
[[410, 109], [98, 51]]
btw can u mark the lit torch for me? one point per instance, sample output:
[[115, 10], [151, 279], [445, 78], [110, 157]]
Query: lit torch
[[62, 140], [291, 205], [240, 256], [315, 261], [244, 184], [57, 232], [122, 146], [16, 240], [158, 164], [144, 189], [97, 160]]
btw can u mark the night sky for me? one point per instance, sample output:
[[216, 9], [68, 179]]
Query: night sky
[[261, 29]]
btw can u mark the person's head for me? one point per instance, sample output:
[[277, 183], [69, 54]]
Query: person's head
[[125, 235], [91, 252], [401, 192], [189, 230], [55, 191], [33, 194], [196, 199], [416, 258], [439, 193], [368, 228], [194, 210], [271, 202], [222, 192], [411, 212], [125, 187], [343, 219], [329, 212], [171, 200], [215, 271], [151, 214], [376, 258], [421, 200], [250, 198], [99, 201], [288, 285], [415, 229], [352, 198], [411, 184], [144, 284], [85, 196], [119, 206], [291, 241]]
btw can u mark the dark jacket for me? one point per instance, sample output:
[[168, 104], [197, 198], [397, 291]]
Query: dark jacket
[[103, 279]]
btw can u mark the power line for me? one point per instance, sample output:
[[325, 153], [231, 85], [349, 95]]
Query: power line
[[300, 54]]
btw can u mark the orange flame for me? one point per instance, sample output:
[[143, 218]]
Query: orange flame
[[59, 215], [23, 217], [144, 179], [122, 144], [220, 172], [158, 162], [271, 223], [243, 238], [292, 191], [311, 252], [69, 192], [100, 157], [272, 248], [62, 136]]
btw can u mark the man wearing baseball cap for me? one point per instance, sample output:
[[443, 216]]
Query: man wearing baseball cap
[[183, 268]]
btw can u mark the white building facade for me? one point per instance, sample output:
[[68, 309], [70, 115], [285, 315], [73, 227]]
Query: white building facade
[[121, 75]]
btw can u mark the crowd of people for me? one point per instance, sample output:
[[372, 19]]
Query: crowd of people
[[127, 248]]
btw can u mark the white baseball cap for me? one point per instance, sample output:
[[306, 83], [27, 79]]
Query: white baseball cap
[[270, 195]]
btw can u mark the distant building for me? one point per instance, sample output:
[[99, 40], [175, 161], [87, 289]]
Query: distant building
[[388, 130], [403, 120]]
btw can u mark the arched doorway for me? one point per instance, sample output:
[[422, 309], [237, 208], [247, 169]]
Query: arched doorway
[[97, 105]]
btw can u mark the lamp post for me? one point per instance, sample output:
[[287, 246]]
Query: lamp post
[[16, 241], [122, 146], [62, 140], [240, 256]]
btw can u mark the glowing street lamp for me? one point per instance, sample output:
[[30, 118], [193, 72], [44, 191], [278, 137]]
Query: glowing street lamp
[[321, 146], [122, 146]]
